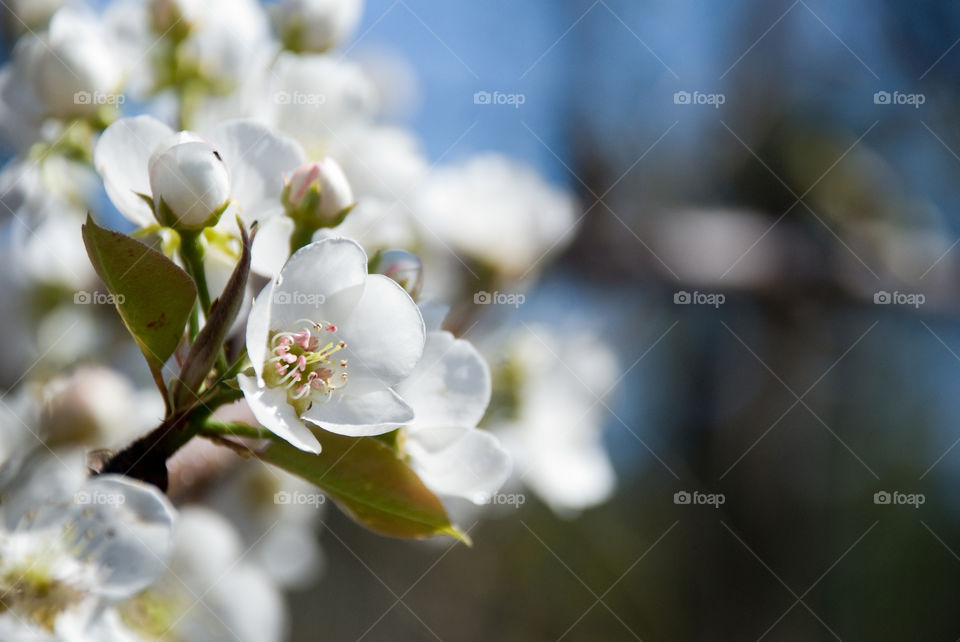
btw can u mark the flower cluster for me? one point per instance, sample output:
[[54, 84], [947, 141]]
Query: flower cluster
[[300, 288]]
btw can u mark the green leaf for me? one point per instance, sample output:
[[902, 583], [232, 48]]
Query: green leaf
[[153, 295], [367, 480]]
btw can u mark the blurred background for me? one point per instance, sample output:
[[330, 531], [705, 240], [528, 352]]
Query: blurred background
[[768, 229], [787, 184]]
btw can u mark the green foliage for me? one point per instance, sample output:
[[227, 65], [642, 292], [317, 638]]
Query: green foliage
[[367, 480], [153, 295]]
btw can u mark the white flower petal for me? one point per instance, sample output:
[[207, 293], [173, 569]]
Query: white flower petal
[[384, 335], [122, 155], [258, 329], [462, 462], [270, 407], [570, 477], [271, 246], [374, 413], [348, 95], [250, 602], [321, 282], [33, 483], [205, 545], [126, 529], [258, 160], [450, 385]]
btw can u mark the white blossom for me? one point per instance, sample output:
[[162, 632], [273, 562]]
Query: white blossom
[[69, 546], [210, 590], [555, 432], [317, 25], [328, 342], [497, 211], [314, 97], [67, 71], [255, 157], [450, 391]]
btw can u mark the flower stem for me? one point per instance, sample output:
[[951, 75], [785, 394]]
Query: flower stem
[[302, 235], [192, 251], [212, 427], [146, 458]]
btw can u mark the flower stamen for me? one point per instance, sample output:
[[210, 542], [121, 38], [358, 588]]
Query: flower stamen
[[302, 366]]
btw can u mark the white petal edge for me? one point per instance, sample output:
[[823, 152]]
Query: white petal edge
[[374, 413], [121, 157], [460, 462], [129, 537], [258, 159], [271, 246], [384, 334], [258, 329], [451, 384], [312, 279], [270, 407]]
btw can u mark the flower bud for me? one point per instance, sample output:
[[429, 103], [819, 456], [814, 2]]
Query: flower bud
[[72, 77], [190, 183], [92, 405], [175, 18], [315, 26], [403, 267], [318, 194]]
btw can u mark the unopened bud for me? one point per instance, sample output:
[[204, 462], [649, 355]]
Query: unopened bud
[[318, 194], [174, 18], [190, 183], [402, 266], [314, 26]]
